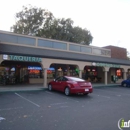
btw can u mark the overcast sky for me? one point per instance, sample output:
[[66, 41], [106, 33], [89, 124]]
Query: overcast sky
[[107, 20]]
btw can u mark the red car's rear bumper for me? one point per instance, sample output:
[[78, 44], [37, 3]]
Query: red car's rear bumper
[[81, 90]]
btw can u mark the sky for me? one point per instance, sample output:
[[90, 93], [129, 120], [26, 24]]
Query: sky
[[107, 20]]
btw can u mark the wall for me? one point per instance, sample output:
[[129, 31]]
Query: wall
[[1, 58], [117, 52]]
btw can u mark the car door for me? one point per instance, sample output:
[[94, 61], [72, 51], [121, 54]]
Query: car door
[[62, 84], [57, 83]]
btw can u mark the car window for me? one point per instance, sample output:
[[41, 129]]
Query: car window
[[64, 79], [59, 79], [75, 79]]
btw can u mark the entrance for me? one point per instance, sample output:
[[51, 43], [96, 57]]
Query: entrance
[[18, 72], [93, 74], [56, 70]]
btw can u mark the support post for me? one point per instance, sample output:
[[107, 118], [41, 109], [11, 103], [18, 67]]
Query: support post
[[124, 75], [105, 77], [45, 77], [80, 73]]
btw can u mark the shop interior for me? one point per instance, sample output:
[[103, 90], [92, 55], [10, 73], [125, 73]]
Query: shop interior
[[18, 72], [15, 72]]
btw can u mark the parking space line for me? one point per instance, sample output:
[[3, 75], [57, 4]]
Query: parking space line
[[27, 100], [1, 118], [7, 109]]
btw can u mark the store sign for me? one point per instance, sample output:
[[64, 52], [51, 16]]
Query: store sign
[[34, 68], [25, 58], [5, 57], [105, 65]]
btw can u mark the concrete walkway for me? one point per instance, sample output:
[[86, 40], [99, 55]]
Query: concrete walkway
[[38, 87]]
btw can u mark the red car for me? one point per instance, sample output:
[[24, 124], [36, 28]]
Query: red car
[[70, 85]]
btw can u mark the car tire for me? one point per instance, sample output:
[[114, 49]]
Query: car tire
[[67, 91], [50, 87], [124, 85]]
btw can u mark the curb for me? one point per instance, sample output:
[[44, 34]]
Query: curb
[[103, 86], [9, 90], [23, 90]]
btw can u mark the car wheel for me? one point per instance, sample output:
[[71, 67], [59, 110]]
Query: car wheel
[[50, 87], [67, 91], [124, 85]]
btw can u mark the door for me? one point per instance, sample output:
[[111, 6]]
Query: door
[[57, 83], [62, 84]]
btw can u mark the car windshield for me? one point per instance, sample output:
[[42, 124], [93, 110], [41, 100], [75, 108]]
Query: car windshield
[[75, 79]]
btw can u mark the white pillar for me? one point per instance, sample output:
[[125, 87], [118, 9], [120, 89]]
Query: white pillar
[[124, 75], [45, 77], [80, 73], [105, 77]]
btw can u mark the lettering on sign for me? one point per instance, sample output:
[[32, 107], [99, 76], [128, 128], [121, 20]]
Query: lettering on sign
[[105, 65], [25, 58]]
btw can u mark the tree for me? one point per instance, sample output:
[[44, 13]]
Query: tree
[[42, 23], [30, 20]]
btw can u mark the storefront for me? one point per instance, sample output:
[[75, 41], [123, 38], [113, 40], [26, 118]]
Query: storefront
[[22, 69], [106, 61]]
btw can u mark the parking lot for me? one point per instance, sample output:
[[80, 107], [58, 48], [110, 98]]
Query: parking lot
[[45, 110]]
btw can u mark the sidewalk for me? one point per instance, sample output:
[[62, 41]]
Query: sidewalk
[[38, 87]]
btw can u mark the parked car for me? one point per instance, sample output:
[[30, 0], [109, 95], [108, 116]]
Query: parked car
[[125, 83], [70, 85]]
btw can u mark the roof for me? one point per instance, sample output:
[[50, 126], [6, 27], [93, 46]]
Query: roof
[[46, 53]]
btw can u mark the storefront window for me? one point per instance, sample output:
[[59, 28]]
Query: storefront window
[[34, 72], [119, 73], [90, 74], [50, 73]]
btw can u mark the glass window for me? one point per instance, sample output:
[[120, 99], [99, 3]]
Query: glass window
[[119, 73], [64, 79], [45, 43], [74, 47], [16, 39], [26, 40], [96, 51], [86, 49], [59, 79], [106, 52], [8, 38], [59, 45]]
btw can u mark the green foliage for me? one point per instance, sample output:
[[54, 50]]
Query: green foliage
[[42, 23]]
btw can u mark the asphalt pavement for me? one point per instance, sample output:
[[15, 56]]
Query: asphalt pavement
[[45, 110], [39, 87]]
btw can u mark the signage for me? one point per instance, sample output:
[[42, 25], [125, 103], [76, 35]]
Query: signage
[[34, 68], [105, 65], [25, 58], [5, 57]]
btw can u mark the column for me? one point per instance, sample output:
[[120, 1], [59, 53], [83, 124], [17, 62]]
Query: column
[[124, 75], [105, 77], [80, 73], [45, 77]]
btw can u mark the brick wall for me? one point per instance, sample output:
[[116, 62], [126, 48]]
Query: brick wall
[[117, 52]]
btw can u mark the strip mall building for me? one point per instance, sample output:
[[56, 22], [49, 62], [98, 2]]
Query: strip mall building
[[44, 59]]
